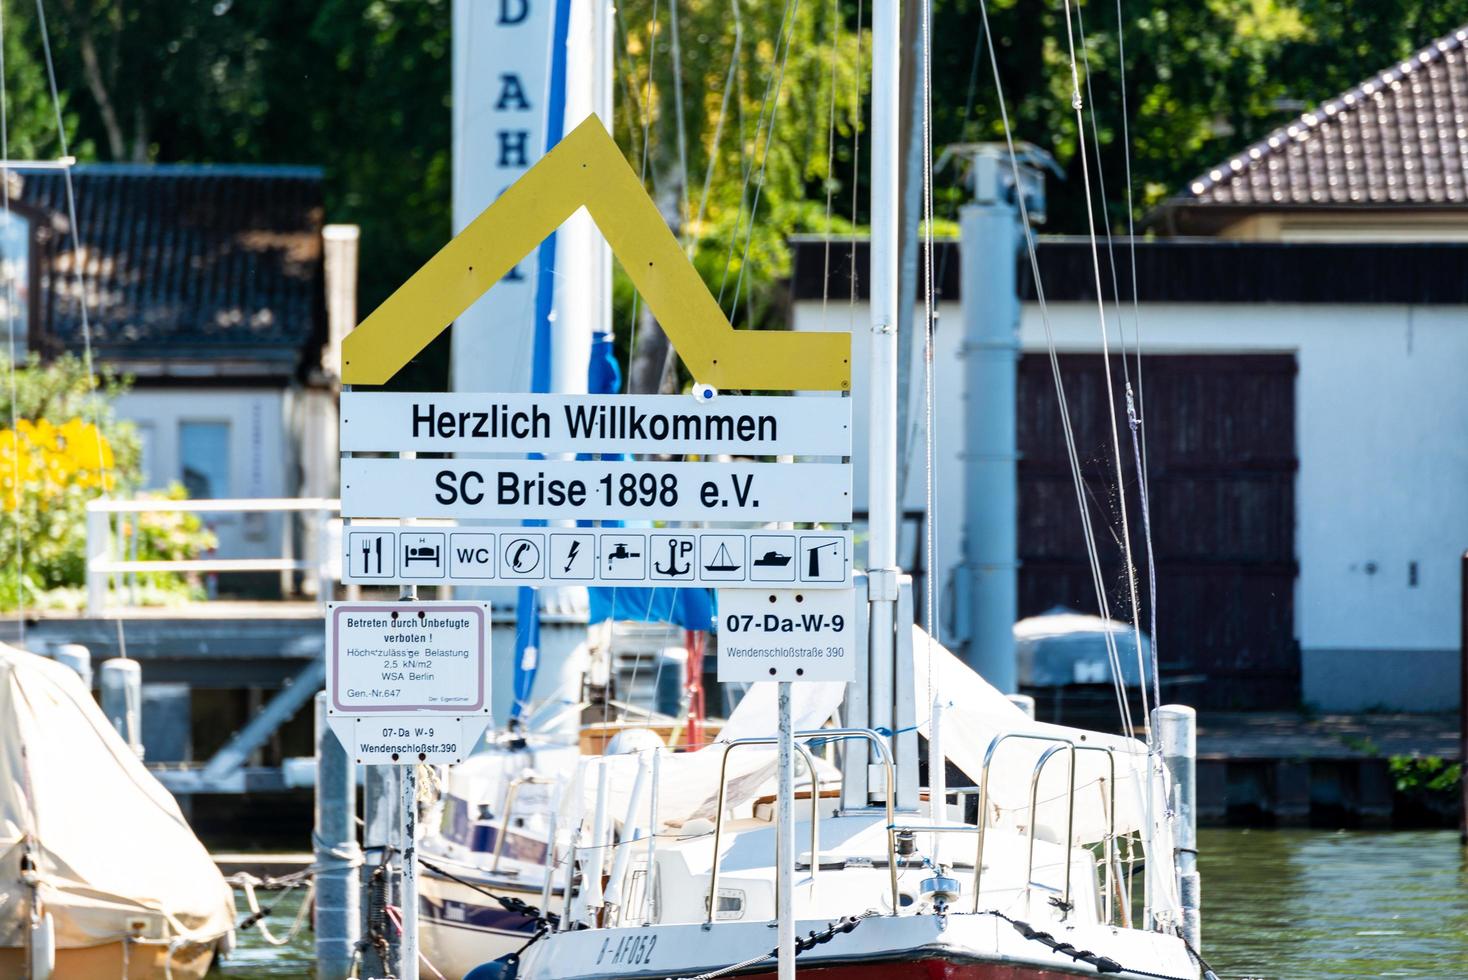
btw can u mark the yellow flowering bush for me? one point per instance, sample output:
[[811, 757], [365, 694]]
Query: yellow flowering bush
[[64, 449]]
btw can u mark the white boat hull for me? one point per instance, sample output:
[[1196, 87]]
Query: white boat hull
[[908, 947], [461, 927]]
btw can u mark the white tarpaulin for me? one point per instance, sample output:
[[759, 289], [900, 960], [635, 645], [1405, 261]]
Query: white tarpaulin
[[109, 841], [688, 784], [975, 713]]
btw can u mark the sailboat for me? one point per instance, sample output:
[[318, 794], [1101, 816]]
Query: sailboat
[[1057, 860]]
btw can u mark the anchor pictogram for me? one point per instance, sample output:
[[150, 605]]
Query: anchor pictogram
[[672, 569]]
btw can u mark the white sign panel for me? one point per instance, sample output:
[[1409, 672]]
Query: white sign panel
[[713, 558], [597, 489], [407, 682], [460, 422], [787, 635]]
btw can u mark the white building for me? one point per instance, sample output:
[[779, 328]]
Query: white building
[[1308, 441], [1305, 406], [208, 286]]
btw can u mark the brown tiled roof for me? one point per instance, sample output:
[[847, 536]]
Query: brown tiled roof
[[183, 262], [1399, 139]]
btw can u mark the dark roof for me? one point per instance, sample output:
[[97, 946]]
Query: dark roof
[[1397, 140], [1186, 270], [183, 262]]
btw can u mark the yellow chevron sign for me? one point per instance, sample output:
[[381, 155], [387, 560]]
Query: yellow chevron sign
[[586, 169]]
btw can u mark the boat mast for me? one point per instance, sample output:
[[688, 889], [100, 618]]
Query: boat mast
[[882, 570]]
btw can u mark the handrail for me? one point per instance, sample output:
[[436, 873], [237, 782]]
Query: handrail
[[1110, 825], [982, 816], [102, 562], [512, 791], [815, 803], [1070, 818], [825, 734], [214, 505]]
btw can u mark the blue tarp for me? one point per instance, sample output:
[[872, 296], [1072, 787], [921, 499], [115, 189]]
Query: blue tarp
[[692, 609]]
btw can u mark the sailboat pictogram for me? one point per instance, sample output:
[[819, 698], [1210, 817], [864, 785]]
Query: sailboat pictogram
[[722, 561]]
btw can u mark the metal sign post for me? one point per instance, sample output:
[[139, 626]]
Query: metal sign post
[[407, 682], [408, 847], [785, 837], [788, 636]]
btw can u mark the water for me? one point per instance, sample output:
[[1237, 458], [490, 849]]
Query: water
[[1278, 904], [1319, 905]]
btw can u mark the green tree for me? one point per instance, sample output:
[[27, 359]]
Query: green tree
[[61, 446], [1203, 80], [742, 67]]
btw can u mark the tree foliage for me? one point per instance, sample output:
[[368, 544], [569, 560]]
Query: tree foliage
[[64, 448], [362, 87], [1204, 79]]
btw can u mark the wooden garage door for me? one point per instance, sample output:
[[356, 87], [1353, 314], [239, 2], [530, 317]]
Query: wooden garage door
[[1222, 461]]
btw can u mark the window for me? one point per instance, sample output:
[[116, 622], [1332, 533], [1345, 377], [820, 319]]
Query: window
[[15, 273], [203, 455]]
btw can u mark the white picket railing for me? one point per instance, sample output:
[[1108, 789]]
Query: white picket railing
[[105, 520]]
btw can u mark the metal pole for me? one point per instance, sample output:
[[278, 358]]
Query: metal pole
[[78, 658], [785, 841], [1463, 708], [408, 841], [337, 855], [882, 570], [937, 775], [408, 955], [122, 699], [1177, 732], [990, 230], [379, 815]]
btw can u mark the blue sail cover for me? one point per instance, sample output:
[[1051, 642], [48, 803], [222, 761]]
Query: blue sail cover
[[527, 605], [692, 609]]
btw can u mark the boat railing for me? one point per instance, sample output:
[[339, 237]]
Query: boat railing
[[815, 803], [825, 734], [508, 809], [115, 525], [1058, 744]]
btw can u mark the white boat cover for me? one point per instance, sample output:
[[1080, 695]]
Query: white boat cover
[[109, 841], [1063, 647], [688, 784], [975, 713]]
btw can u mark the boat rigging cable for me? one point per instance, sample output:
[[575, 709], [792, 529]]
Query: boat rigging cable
[[77, 261], [1072, 455], [792, 9], [930, 434], [10, 338], [1134, 422], [644, 107], [1137, 418], [830, 162], [1153, 745], [1077, 103], [746, 160]]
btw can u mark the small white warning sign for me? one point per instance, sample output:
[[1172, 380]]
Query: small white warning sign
[[407, 682]]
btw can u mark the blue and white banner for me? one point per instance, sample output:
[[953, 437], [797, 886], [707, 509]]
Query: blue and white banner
[[523, 71]]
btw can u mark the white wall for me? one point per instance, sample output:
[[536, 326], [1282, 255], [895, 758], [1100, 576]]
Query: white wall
[[1382, 436], [260, 452]]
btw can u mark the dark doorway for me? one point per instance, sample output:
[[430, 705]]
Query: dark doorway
[[1222, 461]]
